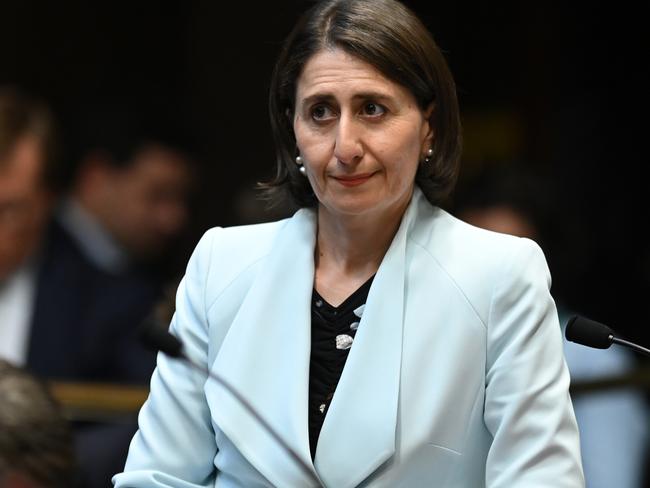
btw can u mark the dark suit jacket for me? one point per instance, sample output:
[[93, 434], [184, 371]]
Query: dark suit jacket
[[84, 321], [84, 329]]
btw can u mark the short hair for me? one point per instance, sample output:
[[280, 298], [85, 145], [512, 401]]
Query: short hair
[[35, 439], [389, 36], [22, 115]]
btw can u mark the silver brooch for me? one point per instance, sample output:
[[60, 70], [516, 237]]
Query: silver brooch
[[344, 341]]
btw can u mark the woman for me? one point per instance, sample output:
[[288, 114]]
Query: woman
[[453, 372]]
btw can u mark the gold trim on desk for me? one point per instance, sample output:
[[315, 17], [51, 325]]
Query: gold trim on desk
[[638, 379], [98, 401], [102, 402]]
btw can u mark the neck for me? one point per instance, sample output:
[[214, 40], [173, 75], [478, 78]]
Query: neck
[[354, 245]]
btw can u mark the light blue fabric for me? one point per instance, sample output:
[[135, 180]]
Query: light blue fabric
[[456, 377]]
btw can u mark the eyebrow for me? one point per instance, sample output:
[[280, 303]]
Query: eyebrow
[[328, 97]]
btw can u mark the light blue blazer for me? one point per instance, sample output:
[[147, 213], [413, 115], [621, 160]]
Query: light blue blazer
[[456, 377]]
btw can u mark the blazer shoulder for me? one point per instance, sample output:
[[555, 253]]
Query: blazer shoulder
[[453, 242], [246, 240], [475, 259], [224, 253]]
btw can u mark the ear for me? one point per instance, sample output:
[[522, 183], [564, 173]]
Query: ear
[[427, 128]]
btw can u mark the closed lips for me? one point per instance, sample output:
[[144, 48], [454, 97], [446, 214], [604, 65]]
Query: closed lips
[[354, 177]]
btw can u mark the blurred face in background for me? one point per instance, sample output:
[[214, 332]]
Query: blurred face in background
[[144, 205], [24, 203], [501, 218]]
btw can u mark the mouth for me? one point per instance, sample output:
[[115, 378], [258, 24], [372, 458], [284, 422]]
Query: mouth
[[353, 180]]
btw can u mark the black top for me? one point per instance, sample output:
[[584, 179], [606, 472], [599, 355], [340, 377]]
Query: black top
[[332, 333]]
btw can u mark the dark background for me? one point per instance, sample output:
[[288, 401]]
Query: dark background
[[555, 90]]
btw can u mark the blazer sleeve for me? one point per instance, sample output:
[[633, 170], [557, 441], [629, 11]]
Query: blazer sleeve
[[175, 444], [528, 410]]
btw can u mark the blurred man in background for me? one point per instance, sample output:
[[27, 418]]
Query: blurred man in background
[[80, 270], [103, 268], [62, 316], [109, 245], [26, 200], [129, 193]]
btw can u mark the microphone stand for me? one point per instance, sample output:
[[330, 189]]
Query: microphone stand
[[631, 345]]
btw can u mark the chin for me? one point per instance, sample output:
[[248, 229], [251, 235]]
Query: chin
[[353, 206]]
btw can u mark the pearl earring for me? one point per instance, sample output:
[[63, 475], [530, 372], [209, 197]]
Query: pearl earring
[[427, 158], [301, 166]]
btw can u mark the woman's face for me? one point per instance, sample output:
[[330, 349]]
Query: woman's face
[[360, 135]]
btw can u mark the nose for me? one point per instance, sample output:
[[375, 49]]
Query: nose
[[348, 148]]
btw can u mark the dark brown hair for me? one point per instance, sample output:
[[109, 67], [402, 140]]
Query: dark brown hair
[[387, 35], [35, 439]]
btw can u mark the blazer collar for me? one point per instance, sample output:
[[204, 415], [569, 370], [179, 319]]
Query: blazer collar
[[266, 353]]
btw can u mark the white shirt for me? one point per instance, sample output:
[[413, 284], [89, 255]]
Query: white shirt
[[17, 295]]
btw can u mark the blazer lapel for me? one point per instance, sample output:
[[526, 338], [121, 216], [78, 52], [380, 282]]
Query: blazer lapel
[[358, 434], [265, 356]]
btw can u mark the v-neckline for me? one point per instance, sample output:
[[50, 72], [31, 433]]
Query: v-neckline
[[347, 303]]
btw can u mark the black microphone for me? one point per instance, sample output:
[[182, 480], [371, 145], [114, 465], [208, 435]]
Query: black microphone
[[157, 337], [590, 333]]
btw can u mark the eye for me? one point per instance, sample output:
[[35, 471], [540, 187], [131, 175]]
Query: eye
[[321, 112], [373, 109]]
